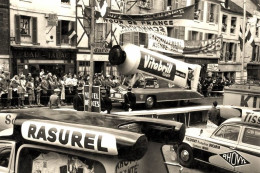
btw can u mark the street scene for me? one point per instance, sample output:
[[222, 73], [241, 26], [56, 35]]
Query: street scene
[[140, 86]]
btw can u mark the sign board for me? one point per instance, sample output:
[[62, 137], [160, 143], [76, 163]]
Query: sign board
[[52, 20], [96, 105], [212, 67]]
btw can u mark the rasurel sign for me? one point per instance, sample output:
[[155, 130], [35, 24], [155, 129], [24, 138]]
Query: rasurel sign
[[69, 137]]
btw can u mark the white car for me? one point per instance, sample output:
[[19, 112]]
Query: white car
[[234, 145]]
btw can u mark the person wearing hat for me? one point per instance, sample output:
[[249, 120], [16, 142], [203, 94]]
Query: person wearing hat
[[55, 99], [45, 88], [130, 100], [78, 100], [21, 91]]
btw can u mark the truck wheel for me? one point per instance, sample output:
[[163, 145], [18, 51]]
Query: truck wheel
[[185, 155], [150, 102]]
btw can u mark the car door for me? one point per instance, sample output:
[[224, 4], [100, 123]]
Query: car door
[[249, 149], [224, 143], [7, 151]]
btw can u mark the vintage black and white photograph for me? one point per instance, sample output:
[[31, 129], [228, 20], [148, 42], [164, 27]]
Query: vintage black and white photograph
[[129, 86]]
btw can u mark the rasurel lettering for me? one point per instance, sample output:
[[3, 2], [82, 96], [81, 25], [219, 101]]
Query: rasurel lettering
[[70, 137]]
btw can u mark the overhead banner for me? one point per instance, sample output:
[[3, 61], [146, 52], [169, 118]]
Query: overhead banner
[[165, 44], [165, 18], [145, 29], [177, 46]]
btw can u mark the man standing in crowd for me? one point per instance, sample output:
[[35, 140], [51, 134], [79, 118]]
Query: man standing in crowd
[[55, 99], [45, 88], [214, 114], [130, 100], [78, 100]]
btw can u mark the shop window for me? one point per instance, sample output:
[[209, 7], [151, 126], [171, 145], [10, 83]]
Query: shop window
[[40, 160], [65, 1], [233, 25], [251, 136], [224, 23], [213, 10], [25, 25]]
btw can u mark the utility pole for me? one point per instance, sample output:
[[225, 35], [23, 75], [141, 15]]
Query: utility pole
[[243, 30], [92, 40]]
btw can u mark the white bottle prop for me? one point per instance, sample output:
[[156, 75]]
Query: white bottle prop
[[138, 59]]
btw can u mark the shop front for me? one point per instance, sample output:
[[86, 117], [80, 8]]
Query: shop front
[[31, 60]]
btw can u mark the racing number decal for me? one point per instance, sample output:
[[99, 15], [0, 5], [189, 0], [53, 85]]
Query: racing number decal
[[234, 158]]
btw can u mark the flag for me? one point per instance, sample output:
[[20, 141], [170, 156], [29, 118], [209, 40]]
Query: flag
[[101, 8], [250, 38], [72, 33], [240, 38]]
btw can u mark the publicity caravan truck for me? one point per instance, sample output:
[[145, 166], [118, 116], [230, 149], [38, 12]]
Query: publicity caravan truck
[[67, 141], [145, 68]]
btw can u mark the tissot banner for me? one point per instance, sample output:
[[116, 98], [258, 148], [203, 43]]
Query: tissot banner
[[177, 46]]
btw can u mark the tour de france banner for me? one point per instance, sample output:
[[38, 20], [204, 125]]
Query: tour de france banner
[[96, 105], [164, 18], [177, 46]]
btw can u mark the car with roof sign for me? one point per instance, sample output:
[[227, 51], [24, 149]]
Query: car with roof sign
[[234, 145], [61, 140]]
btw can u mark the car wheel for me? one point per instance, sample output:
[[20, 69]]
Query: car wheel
[[150, 102], [185, 155]]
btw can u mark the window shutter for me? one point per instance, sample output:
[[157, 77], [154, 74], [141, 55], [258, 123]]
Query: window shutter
[[17, 30], [73, 39], [190, 35], [208, 16], [235, 52], [136, 38], [201, 10], [34, 30], [216, 14], [181, 33], [201, 36], [58, 34]]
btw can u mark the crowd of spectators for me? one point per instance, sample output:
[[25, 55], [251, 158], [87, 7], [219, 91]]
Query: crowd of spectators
[[22, 91], [211, 85]]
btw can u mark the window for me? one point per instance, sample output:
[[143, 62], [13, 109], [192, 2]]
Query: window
[[233, 25], [195, 35], [213, 10], [5, 153], [228, 132], [198, 13], [100, 34], [224, 23], [229, 52], [251, 136], [39, 160], [64, 32], [25, 25], [147, 4], [65, 1]]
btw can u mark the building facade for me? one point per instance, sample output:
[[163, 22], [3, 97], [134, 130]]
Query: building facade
[[42, 36], [4, 35]]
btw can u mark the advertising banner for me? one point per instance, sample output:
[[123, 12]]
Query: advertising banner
[[96, 105], [177, 46], [164, 18], [145, 29]]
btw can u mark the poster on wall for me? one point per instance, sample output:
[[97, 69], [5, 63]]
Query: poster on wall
[[96, 105], [4, 65]]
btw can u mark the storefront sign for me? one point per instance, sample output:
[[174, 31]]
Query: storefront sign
[[101, 50], [52, 20], [51, 54], [96, 105], [213, 67]]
